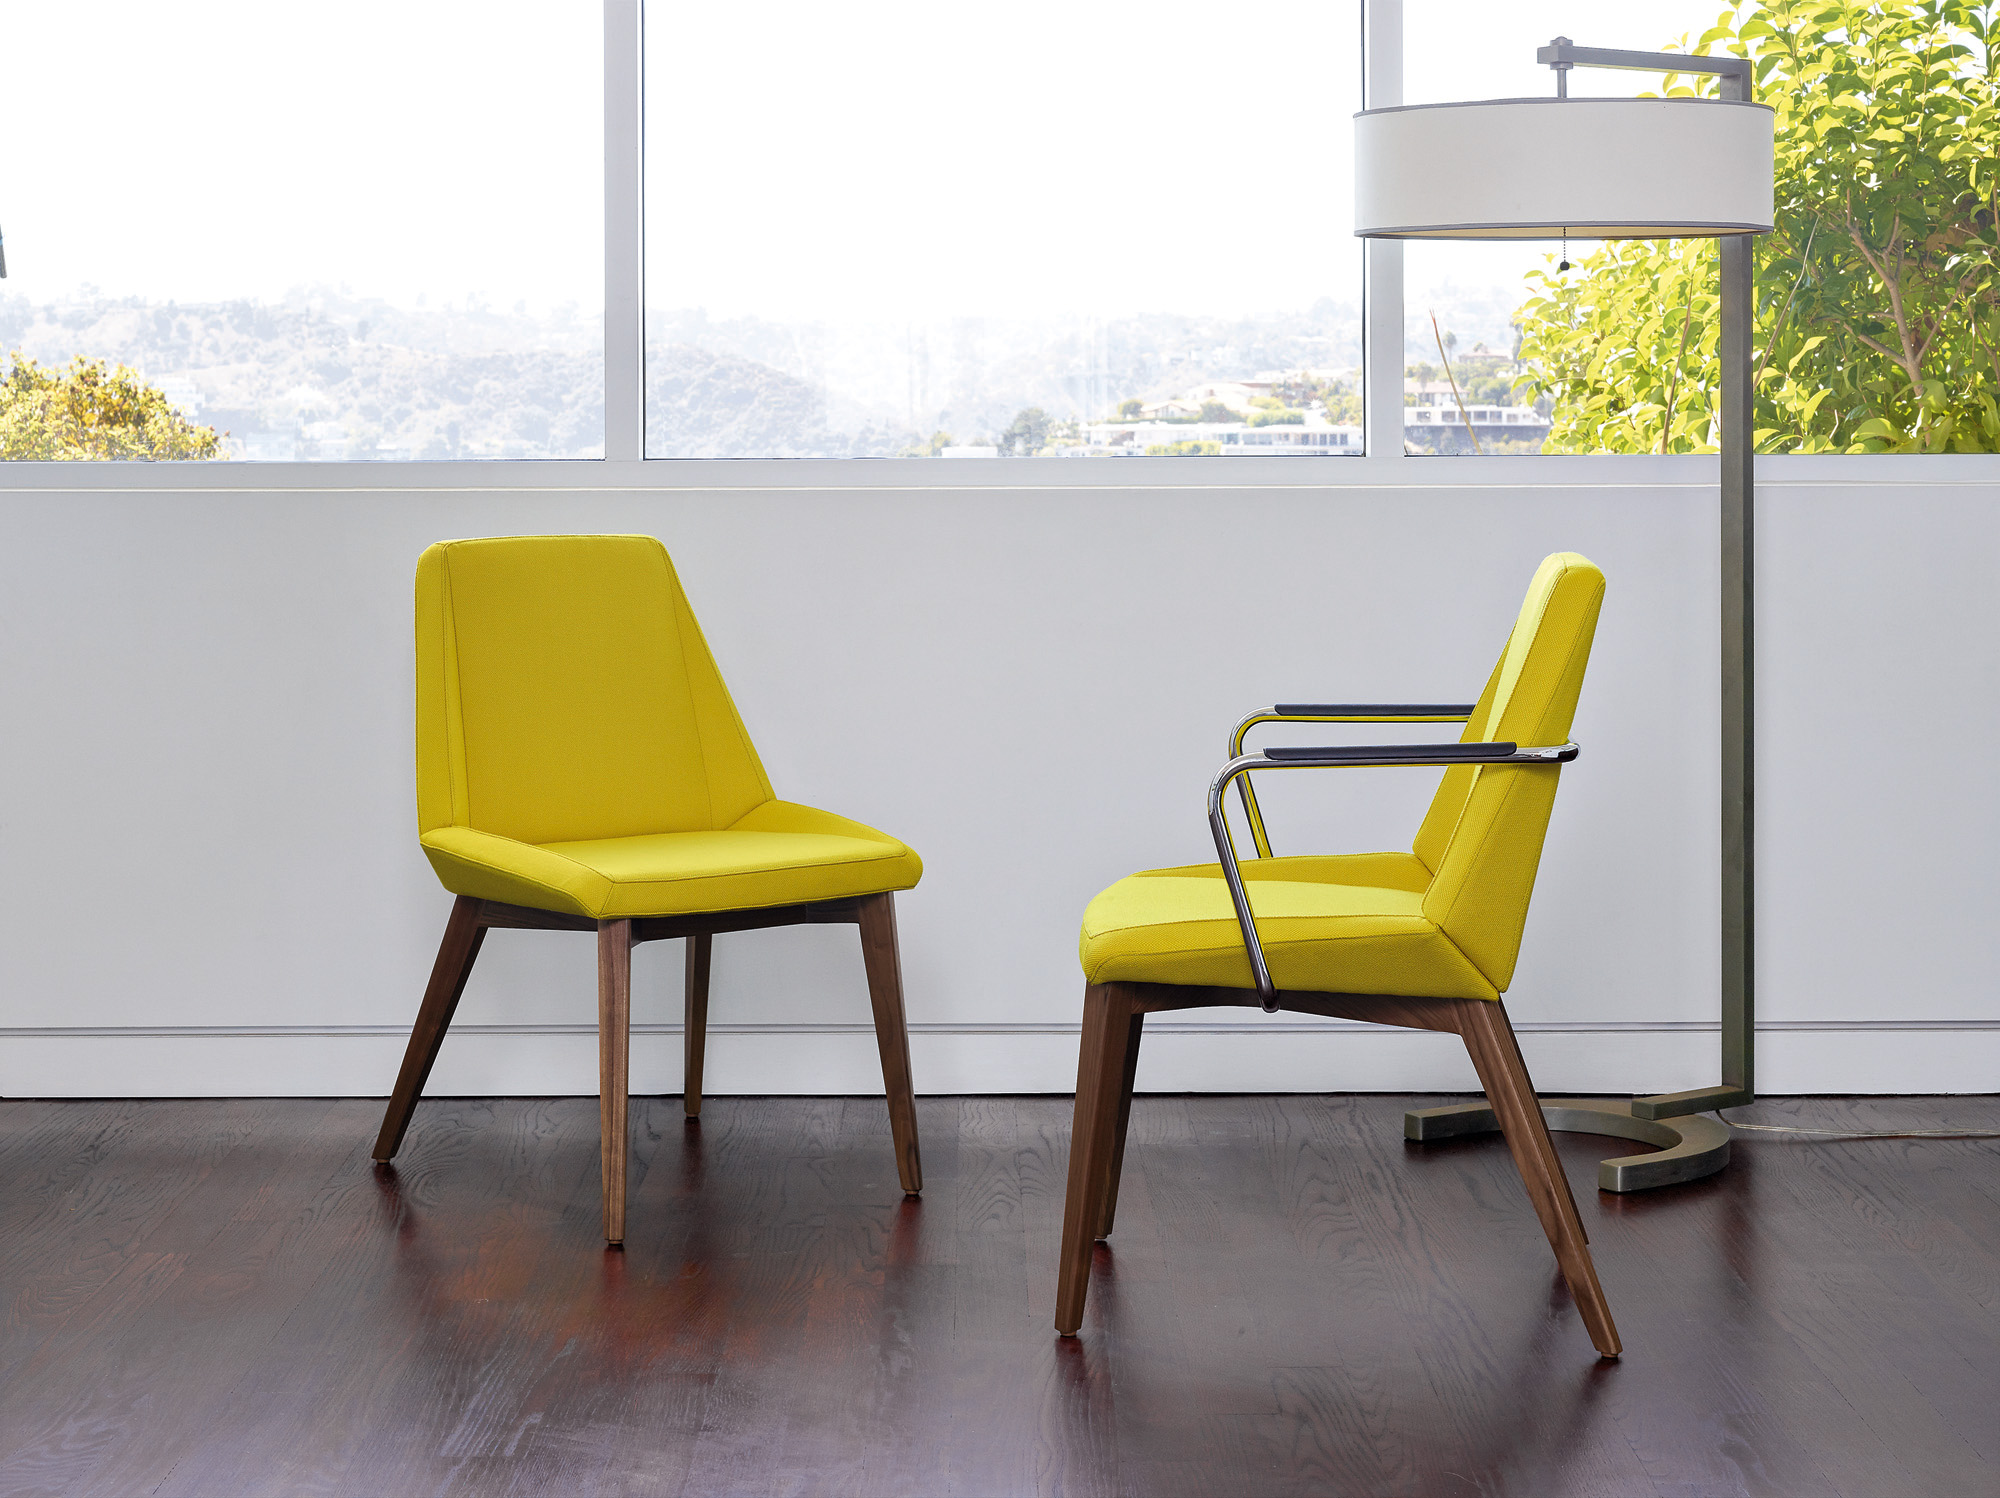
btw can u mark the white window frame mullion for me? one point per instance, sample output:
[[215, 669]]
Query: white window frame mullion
[[624, 235], [1382, 282]]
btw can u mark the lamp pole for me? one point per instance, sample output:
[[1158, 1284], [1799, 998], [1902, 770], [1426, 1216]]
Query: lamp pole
[[1739, 868]]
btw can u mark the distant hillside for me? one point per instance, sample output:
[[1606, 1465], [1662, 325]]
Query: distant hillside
[[875, 388], [708, 405], [323, 376]]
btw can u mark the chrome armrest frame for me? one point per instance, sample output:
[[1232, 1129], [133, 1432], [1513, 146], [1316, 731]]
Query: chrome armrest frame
[[1358, 757], [1331, 712]]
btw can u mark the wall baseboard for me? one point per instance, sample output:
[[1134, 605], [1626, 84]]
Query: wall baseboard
[[1804, 1056]]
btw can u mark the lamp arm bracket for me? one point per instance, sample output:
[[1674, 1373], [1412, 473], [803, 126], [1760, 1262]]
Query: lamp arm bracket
[[1564, 54]]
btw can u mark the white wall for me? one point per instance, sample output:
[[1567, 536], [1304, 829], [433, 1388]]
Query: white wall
[[211, 883]]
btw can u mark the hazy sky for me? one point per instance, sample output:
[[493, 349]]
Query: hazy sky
[[895, 159], [906, 159], [230, 148], [932, 158]]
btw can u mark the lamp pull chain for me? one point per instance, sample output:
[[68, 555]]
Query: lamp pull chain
[[1562, 92]]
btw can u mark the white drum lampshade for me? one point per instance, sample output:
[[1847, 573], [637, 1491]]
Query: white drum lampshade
[[1549, 168]]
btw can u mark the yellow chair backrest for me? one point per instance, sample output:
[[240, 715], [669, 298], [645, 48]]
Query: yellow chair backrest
[[1482, 838], [564, 691]]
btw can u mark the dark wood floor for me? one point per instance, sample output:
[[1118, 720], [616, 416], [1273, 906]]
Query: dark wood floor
[[214, 1299]]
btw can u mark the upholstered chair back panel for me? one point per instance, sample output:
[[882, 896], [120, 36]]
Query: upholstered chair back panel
[[564, 692], [1485, 871], [1435, 834]]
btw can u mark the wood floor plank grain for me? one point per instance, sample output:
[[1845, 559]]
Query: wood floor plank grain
[[388, 1295], [227, 1298], [110, 1377], [990, 1299], [865, 1315], [489, 1302], [145, 1161], [1886, 1331], [552, 1422], [1766, 1422]]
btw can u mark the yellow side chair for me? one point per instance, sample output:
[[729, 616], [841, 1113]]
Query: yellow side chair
[[1425, 939], [580, 767]]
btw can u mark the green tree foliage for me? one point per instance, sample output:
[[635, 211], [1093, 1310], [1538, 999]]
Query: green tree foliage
[[1185, 450], [938, 442], [1343, 401], [86, 411], [1878, 295], [1027, 435], [1128, 410]]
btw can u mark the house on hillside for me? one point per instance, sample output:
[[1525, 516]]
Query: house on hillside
[[1441, 428], [1130, 439]]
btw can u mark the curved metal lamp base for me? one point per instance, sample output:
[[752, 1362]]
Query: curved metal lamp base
[[1690, 1147]]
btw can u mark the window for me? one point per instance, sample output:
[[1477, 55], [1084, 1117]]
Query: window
[[941, 232], [369, 231], [981, 229], [1467, 385]]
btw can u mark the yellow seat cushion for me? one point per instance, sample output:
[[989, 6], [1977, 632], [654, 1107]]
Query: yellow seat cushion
[[1319, 933], [780, 853]]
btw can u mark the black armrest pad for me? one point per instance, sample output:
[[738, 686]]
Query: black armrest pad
[[1392, 710], [1471, 753]]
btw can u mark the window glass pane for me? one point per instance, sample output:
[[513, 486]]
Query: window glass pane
[[977, 228], [366, 231], [1468, 305]]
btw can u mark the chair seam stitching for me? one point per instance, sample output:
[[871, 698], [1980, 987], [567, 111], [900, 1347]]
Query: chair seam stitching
[[796, 868], [676, 600], [519, 843], [455, 774]]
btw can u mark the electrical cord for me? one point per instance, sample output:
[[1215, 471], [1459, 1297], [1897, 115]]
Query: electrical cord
[[1869, 1134]]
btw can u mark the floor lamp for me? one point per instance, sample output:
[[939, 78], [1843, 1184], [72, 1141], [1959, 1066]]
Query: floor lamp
[[1679, 168]]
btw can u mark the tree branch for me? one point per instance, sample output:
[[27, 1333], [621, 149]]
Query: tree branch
[[1910, 364], [1463, 414], [1784, 311], [1674, 384]]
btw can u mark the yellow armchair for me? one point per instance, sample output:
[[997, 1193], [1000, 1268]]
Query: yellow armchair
[[1425, 939], [580, 767]]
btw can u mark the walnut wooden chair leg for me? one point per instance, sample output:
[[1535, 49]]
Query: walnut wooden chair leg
[[614, 1044], [1110, 1207], [463, 936], [1108, 1034], [694, 1022], [1489, 1036], [880, 955]]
